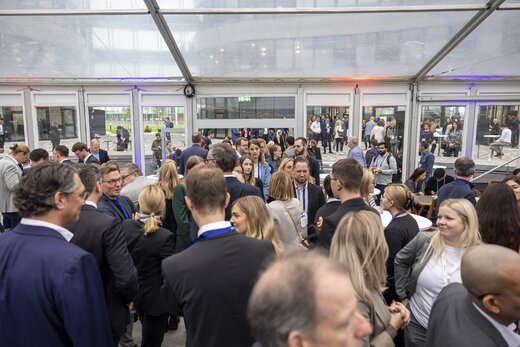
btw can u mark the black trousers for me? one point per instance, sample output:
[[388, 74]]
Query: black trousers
[[154, 328]]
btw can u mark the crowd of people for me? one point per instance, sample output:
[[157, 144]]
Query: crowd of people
[[250, 250]]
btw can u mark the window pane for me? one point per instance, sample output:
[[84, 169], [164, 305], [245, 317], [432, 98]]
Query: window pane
[[488, 131], [57, 125], [437, 128], [246, 107], [333, 114], [12, 126]]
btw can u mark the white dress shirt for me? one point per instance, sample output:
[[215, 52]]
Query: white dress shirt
[[67, 235], [213, 226]]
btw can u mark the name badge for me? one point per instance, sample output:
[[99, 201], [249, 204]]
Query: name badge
[[303, 220]]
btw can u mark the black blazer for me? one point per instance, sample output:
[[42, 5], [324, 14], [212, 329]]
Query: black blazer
[[209, 284], [111, 207], [148, 251], [454, 321], [314, 169], [327, 209], [90, 160], [316, 200], [331, 222], [103, 156], [67, 162], [101, 235], [237, 189]]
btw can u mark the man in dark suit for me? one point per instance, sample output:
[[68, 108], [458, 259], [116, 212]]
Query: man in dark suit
[[210, 282], [50, 289], [195, 149], [37, 156], [310, 195], [112, 202], [60, 154], [84, 156], [222, 156], [346, 177], [330, 207], [300, 148], [461, 188], [100, 154], [484, 310], [101, 235]]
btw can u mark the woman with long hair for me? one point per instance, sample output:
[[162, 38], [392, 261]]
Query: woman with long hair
[[279, 139], [275, 151], [359, 243], [285, 210], [287, 166], [168, 179], [429, 263], [454, 141], [398, 200], [416, 180], [251, 217], [261, 167], [499, 216], [339, 135], [367, 188], [514, 182], [148, 244], [246, 163], [180, 210]]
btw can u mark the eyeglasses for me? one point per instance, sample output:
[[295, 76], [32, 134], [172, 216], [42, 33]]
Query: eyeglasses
[[112, 182], [336, 179], [125, 177]]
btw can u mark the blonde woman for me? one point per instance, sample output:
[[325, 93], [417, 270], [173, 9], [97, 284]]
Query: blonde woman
[[367, 188], [149, 244], [428, 263], [285, 210], [339, 135], [359, 243], [398, 200], [168, 179], [287, 166], [251, 217]]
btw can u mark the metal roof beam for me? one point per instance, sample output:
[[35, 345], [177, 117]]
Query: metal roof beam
[[467, 29], [75, 12], [167, 35]]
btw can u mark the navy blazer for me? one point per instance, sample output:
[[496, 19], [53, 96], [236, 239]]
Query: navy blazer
[[458, 189], [103, 156], [102, 236], [49, 291], [314, 169], [236, 190], [112, 208], [196, 149]]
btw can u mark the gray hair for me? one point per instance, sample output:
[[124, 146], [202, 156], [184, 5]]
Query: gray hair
[[464, 166], [224, 156], [354, 140], [284, 297], [34, 195]]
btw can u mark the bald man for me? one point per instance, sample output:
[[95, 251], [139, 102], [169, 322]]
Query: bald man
[[100, 154], [482, 312]]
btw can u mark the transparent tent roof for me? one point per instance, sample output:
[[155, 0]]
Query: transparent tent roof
[[248, 40]]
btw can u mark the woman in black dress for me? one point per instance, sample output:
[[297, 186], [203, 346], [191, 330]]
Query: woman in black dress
[[149, 244]]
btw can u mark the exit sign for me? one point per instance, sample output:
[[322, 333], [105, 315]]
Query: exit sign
[[244, 99]]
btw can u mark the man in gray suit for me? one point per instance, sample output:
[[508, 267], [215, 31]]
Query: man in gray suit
[[133, 182], [485, 309]]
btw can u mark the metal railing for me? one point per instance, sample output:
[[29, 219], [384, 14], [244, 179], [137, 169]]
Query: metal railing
[[495, 168]]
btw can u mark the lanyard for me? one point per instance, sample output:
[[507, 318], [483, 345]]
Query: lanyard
[[303, 193], [394, 217], [122, 207], [445, 274], [212, 233], [463, 182], [382, 161], [258, 170], [443, 182]]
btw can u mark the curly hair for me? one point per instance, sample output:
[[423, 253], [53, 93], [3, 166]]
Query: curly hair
[[34, 195]]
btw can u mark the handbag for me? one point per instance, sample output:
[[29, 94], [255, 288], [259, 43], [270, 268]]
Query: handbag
[[303, 241]]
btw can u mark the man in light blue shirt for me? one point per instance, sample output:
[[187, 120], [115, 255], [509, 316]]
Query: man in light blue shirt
[[427, 159], [368, 129], [355, 151], [504, 140]]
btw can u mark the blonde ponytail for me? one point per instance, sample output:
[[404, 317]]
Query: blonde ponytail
[[152, 203]]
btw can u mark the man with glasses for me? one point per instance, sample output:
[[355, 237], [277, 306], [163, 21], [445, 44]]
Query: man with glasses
[[346, 177], [112, 203], [51, 291], [102, 236], [484, 310], [84, 156], [242, 147], [133, 182]]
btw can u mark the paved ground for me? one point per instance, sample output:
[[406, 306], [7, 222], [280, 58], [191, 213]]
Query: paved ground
[[175, 338]]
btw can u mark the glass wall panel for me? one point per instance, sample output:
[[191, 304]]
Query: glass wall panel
[[12, 126], [246, 107], [155, 119], [332, 114], [57, 125], [443, 127], [112, 126], [488, 131]]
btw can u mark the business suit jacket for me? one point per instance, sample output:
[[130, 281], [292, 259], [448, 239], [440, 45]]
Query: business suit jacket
[[236, 190], [148, 251], [10, 175], [182, 218], [50, 290], [132, 190], [464, 326], [326, 210], [426, 163], [110, 207], [330, 223], [103, 156], [90, 160], [314, 169], [102, 236], [209, 284], [196, 149], [67, 162], [316, 200], [456, 190], [377, 314]]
